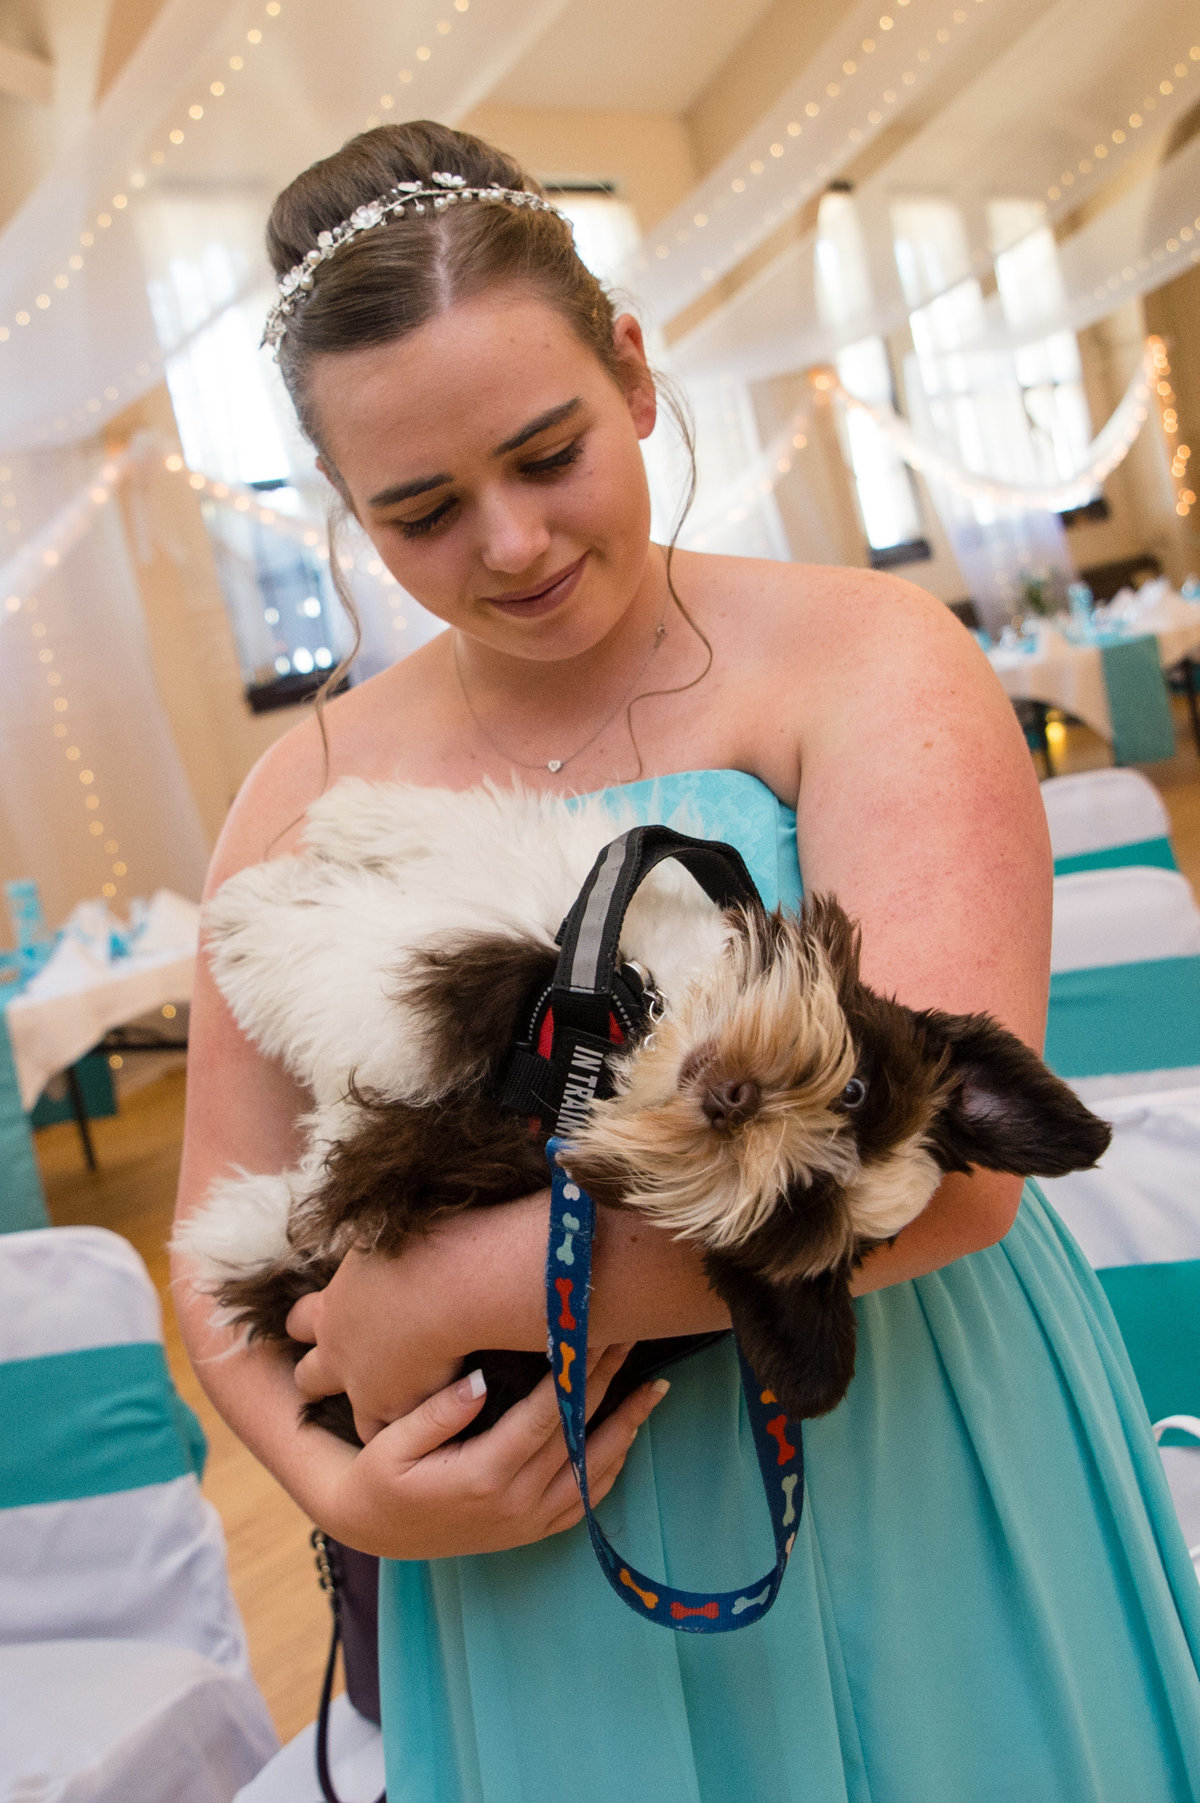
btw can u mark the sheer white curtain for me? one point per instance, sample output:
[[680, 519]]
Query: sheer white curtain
[[1029, 280], [79, 700], [969, 404]]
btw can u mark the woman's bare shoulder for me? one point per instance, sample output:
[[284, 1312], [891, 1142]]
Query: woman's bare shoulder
[[361, 732], [831, 609]]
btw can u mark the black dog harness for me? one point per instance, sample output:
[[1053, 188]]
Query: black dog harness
[[593, 1007]]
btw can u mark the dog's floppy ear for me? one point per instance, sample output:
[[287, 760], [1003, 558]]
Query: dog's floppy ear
[[1005, 1110], [799, 1336]]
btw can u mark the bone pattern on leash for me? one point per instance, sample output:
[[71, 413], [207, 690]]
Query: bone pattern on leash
[[564, 1376], [710, 1611], [649, 1597], [566, 1319], [777, 1428], [751, 1602], [565, 1253], [789, 1490]]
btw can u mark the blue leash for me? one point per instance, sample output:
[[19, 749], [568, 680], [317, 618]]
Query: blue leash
[[776, 1439]]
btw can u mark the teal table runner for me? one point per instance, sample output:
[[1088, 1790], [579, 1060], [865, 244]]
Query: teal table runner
[[88, 1423], [1158, 852], [1143, 729], [1119, 1018], [21, 1201], [1158, 1311]]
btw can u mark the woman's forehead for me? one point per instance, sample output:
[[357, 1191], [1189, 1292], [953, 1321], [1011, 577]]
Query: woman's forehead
[[464, 383]]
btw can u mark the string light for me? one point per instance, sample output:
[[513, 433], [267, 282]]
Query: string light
[[119, 202], [1119, 136], [761, 479], [422, 54], [1185, 499], [70, 528], [1171, 246], [852, 93]]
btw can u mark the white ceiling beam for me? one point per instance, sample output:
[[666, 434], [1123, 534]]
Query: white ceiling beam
[[26, 77]]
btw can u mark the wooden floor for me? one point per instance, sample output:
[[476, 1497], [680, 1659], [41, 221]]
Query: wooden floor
[[269, 1557]]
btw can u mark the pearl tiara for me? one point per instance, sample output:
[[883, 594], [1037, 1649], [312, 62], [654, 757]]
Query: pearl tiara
[[404, 198]]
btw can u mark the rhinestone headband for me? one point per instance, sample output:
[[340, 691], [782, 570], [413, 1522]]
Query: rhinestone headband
[[404, 198]]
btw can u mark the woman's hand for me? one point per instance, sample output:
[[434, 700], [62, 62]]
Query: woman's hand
[[377, 1334], [410, 1495]]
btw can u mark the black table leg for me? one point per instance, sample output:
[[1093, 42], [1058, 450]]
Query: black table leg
[[79, 1110]]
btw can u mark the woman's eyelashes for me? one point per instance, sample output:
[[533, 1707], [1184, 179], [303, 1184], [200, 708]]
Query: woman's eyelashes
[[539, 469]]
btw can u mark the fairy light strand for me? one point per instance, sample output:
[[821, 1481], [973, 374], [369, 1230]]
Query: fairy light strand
[[422, 55], [118, 203], [77, 518], [1168, 414]]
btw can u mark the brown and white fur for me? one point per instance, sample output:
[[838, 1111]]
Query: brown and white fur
[[781, 1115]]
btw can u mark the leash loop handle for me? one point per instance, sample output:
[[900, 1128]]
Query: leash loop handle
[[777, 1440]]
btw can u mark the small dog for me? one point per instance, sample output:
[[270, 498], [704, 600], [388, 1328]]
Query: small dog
[[780, 1114]]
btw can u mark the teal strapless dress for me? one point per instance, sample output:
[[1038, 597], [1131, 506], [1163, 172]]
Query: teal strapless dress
[[989, 1601]]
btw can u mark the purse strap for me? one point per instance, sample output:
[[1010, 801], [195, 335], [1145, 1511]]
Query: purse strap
[[327, 1577], [777, 1440]]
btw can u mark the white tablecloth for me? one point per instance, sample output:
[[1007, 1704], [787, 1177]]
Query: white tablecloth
[[1072, 676], [49, 1032]]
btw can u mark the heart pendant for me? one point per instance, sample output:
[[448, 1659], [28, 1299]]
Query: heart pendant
[[554, 765]]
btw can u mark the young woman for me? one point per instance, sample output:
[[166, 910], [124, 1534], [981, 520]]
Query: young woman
[[989, 1597]]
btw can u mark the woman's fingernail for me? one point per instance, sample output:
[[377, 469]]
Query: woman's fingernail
[[471, 1387], [659, 1388]]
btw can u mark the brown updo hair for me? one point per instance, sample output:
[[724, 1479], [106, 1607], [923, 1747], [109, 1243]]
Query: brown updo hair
[[396, 276]]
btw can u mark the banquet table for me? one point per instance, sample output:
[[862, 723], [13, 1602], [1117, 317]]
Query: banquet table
[[64, 1013], [1071, 676], [49, 1031]]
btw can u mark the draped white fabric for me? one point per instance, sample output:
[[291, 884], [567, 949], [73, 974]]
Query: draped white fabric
[[1035, 112], [87, 616]]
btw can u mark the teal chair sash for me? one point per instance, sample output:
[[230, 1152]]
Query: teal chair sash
[[1119, 1018], [91, 1422], [1158, 1311], [21, 1202], [1158, 852], [1143, 729]]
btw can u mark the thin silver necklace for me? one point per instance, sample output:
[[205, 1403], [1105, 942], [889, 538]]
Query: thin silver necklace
[[554, 765]]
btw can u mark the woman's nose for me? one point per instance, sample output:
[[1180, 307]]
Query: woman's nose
[[514, 535]]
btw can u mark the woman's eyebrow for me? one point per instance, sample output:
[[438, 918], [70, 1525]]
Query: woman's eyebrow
[[404, 491], [554, 416]]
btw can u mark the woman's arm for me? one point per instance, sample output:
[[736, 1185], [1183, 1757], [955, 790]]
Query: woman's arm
[[919, 808]]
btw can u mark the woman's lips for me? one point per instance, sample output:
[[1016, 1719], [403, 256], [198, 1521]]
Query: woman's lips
[[541, 600]]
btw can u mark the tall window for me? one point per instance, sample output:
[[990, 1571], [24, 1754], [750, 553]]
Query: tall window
[[886, 498], [966, 399], [1031, 288]]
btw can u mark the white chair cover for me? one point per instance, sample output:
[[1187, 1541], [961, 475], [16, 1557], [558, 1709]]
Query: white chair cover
[[1141, 1204], [1096, 809], [1123, 916], [356, 1763], [117, 1626], [124, 1721], [1182, 1465]]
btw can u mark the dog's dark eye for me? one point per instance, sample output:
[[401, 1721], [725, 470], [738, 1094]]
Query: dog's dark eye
[[854, 1094]]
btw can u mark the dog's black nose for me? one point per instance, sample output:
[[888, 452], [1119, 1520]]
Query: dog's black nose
[[729, 1103]]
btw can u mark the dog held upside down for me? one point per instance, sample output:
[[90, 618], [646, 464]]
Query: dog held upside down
[[778, 1113]]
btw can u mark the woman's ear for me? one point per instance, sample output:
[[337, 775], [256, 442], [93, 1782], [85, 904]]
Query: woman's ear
[[633, 374]]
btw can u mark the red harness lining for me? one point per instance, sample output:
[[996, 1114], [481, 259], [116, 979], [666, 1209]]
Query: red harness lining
[[546, 1033]]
